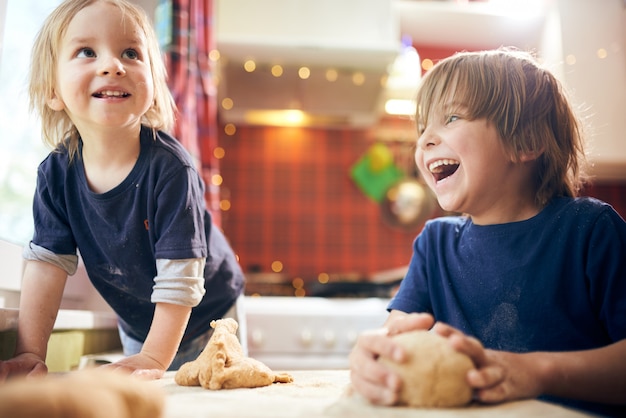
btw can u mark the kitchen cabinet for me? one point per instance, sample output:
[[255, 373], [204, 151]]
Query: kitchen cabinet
[[592, 64], [75, 334]]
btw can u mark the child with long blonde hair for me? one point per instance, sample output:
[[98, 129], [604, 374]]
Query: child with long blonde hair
[[122, 192]]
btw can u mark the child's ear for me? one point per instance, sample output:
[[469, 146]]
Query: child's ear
[[55, 103], [531, 155]]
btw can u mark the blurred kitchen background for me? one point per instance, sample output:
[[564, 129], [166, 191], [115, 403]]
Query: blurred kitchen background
[[299, 114], [302, 99]]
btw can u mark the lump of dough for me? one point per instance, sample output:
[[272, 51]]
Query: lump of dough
[[222, 364], [434, 374], [90, 393]]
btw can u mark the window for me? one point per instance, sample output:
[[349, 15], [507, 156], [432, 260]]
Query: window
[[20, 133]]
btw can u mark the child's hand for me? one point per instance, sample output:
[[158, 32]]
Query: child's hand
[[499, 376], [372, 379], [402, 322], [27, 364], [139, 365]]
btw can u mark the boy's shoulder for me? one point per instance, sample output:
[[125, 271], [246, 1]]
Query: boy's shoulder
[[166, 147], [448, 221], [579, 211], [58, 160], [449, 225], [579, 207]]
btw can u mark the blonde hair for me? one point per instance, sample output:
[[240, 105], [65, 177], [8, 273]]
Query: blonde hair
[[56, 126], [527, 105]]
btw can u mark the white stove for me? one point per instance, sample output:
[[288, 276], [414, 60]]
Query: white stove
[[306, 333]]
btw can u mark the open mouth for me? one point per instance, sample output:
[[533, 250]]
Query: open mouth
[[442, 169], [110, 93]]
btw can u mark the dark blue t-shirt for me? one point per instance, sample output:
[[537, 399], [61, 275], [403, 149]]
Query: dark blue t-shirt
[[555, 282], [157, 212]]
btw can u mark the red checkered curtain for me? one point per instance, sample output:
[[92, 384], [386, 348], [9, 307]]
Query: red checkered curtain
[[185, 30]]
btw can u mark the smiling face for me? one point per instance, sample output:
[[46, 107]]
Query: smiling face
[[484, 123], [465, 164], [104, 78]]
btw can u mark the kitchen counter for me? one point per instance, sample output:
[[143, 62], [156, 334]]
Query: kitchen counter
[[8, 319], [67, 319], [322, 393], [76, 333]]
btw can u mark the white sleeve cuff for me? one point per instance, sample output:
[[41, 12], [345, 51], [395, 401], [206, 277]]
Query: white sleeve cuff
[[68, 262], [179, 282]]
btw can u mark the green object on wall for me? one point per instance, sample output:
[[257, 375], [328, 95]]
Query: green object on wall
[[372, 179]]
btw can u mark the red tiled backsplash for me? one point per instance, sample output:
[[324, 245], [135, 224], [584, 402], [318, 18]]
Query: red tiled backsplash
[[293, 201]]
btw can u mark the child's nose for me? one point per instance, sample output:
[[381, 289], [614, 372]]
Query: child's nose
[[427, 138], [112, 66]]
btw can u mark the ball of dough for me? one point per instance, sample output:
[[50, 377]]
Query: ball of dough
[[434, 374], [88, 393]]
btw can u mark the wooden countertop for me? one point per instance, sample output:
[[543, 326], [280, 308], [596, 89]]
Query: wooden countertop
[[322, 393]]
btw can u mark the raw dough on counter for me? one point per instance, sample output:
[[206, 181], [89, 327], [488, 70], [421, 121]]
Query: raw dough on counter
[[89, 393], [222, 364], [434, 374]]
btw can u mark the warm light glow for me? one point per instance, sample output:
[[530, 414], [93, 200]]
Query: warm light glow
[[219, 153], [400, 107], [427, 64], [300, 293], [230, 129], [225, 205], [294, 117], [214, 55], [358, 78], [331, 75], [304, 73], [602, 53], [297, 283], [217, 180], [277, 70], [323, 278], [290, 118], [570, 59], [227, 103], [249, 66], [277, 266]]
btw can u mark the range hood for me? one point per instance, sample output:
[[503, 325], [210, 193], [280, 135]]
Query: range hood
[[347, 47]]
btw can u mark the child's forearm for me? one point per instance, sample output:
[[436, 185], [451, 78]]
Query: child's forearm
[[166, 332], [40, 298], [597, 375]]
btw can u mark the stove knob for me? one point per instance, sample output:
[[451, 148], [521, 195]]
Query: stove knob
[[306, 338], [329, 338], [256, 338]]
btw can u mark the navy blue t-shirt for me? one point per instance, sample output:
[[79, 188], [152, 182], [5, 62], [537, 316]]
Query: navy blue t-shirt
[[157, 212], [555, 282]]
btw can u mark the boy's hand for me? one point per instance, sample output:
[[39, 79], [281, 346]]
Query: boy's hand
[[27, 364], [499, 376], [139, 365], [399, 323], [371, 379]]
